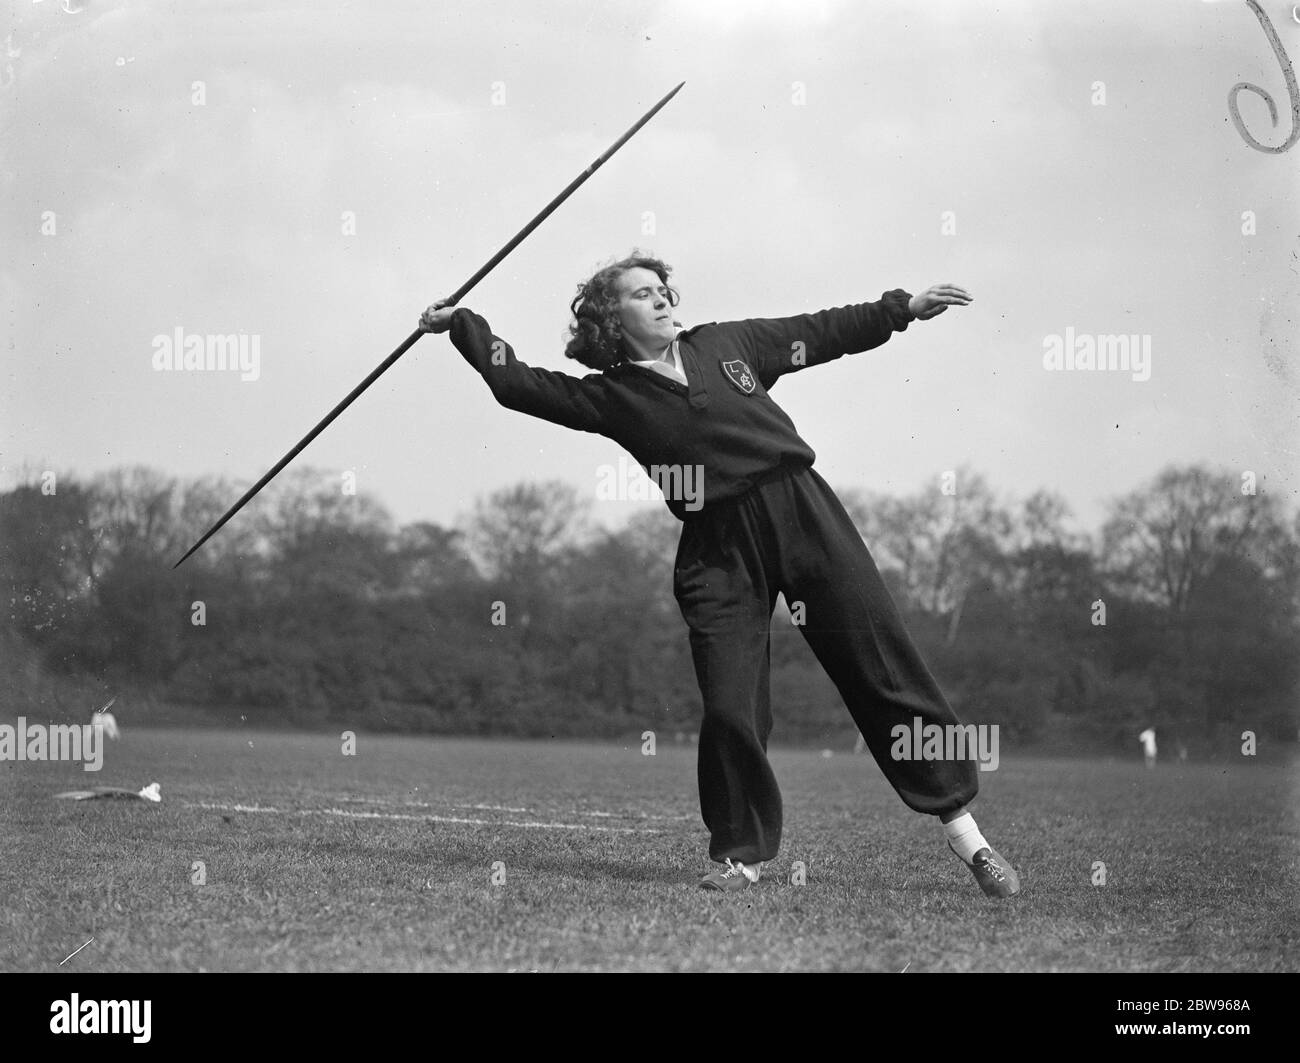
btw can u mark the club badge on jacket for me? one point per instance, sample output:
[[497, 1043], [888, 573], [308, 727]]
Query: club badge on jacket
[[740, 376]]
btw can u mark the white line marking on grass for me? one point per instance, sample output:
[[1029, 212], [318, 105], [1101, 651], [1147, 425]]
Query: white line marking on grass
[[428, 804], [74, 952], [571, 812], [347, 814], [388, 803]]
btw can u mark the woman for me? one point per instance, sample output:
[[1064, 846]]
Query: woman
[[696, 401]]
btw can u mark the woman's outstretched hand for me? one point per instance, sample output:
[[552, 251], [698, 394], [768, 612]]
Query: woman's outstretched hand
[[935, 300], [437, 318]]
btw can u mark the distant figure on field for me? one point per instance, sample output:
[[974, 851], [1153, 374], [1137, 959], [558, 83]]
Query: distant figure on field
[[1148, 740], [104, 721]]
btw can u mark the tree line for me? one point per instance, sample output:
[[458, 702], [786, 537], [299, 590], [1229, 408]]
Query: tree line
[[315, 608]]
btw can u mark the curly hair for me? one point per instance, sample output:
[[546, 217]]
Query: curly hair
[[595, 336]]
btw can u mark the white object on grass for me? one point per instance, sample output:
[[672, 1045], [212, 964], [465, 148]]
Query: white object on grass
[[149, 793]]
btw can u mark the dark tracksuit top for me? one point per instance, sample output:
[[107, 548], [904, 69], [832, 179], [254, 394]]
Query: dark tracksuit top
[[768, 524], [728, 425]]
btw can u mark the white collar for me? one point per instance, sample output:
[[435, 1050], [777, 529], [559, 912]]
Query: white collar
[[671, 368]]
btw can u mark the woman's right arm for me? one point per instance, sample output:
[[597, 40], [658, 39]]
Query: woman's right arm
[[573, 402]]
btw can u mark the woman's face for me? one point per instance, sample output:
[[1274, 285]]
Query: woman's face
[[643, 309]]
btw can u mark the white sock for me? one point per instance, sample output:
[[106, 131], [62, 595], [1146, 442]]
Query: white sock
[[751, 871], [965, 836]]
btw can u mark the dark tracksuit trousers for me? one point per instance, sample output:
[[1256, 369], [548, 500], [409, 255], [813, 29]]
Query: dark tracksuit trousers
[[790, 534], [768, 524]]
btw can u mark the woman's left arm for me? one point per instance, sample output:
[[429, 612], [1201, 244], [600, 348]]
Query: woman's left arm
[[784, 345]]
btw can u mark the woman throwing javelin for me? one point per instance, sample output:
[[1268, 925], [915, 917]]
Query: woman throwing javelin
[[698, 399]]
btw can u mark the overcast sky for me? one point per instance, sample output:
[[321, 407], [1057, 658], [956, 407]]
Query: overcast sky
[[194, 167]]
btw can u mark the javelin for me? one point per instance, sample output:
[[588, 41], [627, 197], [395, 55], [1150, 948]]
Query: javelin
[[410, 340]]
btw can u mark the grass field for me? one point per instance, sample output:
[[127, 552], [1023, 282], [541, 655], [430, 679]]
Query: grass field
[[384, 861]]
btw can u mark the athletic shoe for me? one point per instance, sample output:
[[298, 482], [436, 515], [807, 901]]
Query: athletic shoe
[[996, 876], [730, 879]]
